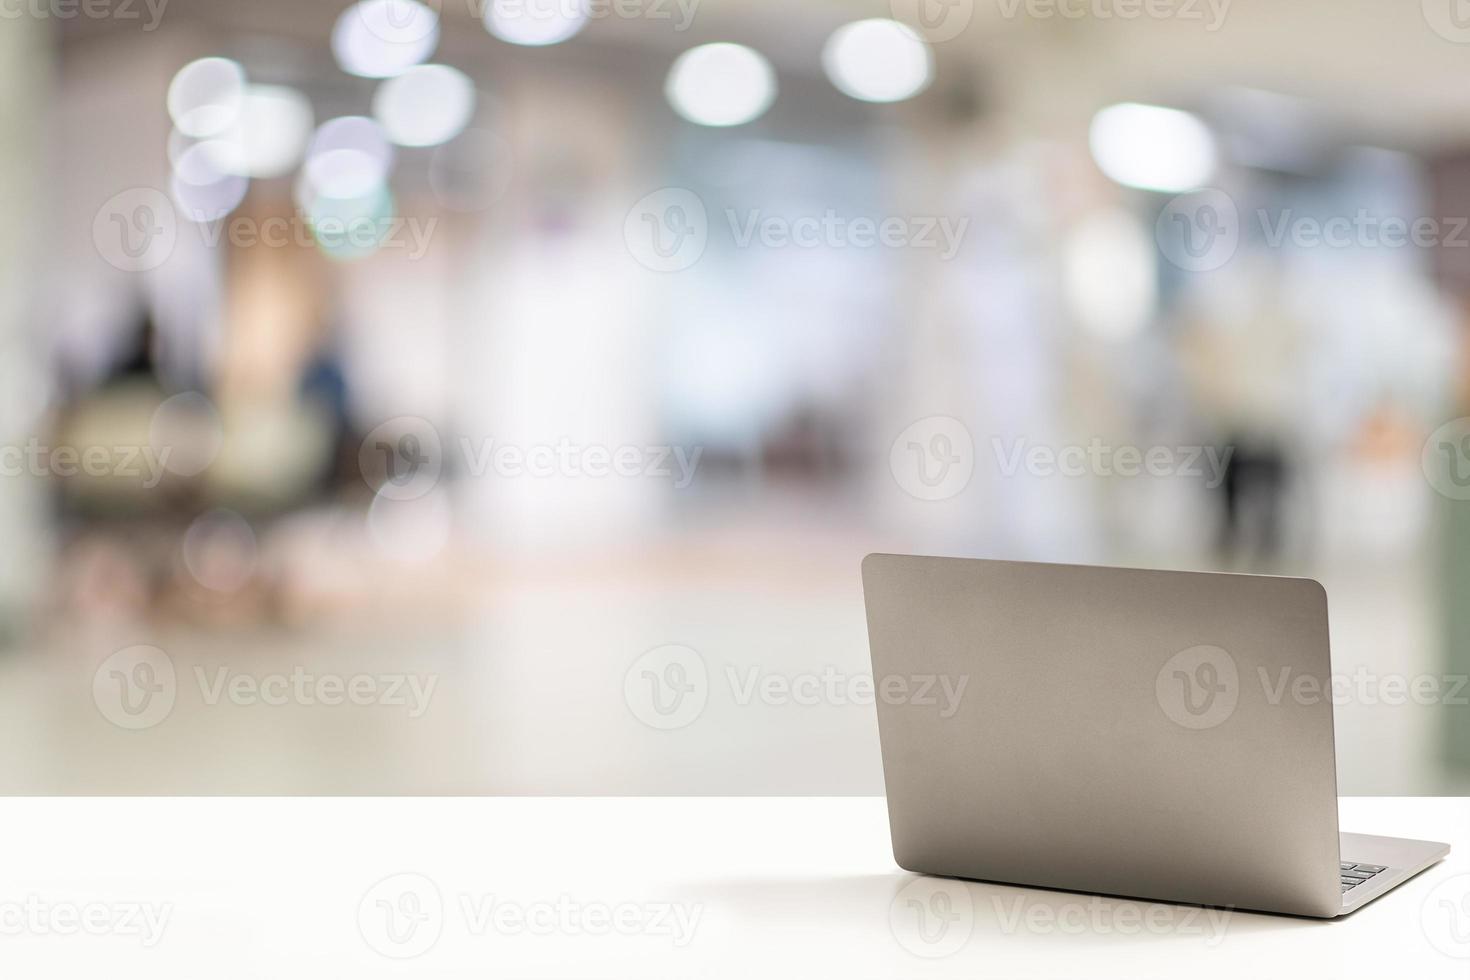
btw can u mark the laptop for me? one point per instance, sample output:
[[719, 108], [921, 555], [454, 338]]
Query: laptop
[[1149, 734]]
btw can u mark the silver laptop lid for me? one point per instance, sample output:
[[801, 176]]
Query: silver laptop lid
[[1163, 735]]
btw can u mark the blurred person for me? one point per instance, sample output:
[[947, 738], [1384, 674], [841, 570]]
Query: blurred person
[[1243, 363], [117, 526], [1252, 498]]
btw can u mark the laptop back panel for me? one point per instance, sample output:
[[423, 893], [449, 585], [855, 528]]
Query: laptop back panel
[[1163, 735]]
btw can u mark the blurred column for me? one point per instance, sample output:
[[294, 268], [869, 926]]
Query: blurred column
[[1451, 182], [25, 76], [554, 329]]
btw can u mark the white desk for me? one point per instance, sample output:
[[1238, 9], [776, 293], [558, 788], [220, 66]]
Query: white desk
[[633, 887]]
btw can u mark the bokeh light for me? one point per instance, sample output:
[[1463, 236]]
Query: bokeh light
[[1110, 275], [348, 228], [536, 23], [219, 551], [205, 96], [349, 158], [202, 189], [1152, 148], [269, 134], [878, 60], [425, 106], [382, 38], [186, 433], [721, 85]]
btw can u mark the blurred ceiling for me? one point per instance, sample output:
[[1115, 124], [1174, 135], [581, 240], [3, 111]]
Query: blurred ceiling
[[1365, 70]]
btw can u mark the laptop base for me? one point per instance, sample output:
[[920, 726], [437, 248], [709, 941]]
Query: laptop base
[[1402, 859]]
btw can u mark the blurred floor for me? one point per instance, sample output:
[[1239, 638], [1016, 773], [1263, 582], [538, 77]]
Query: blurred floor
[[525, 694]]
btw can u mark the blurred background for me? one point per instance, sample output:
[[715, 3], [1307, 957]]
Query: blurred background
[[498, 396]]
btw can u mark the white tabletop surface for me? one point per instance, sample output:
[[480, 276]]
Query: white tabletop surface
[[506, 888]]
